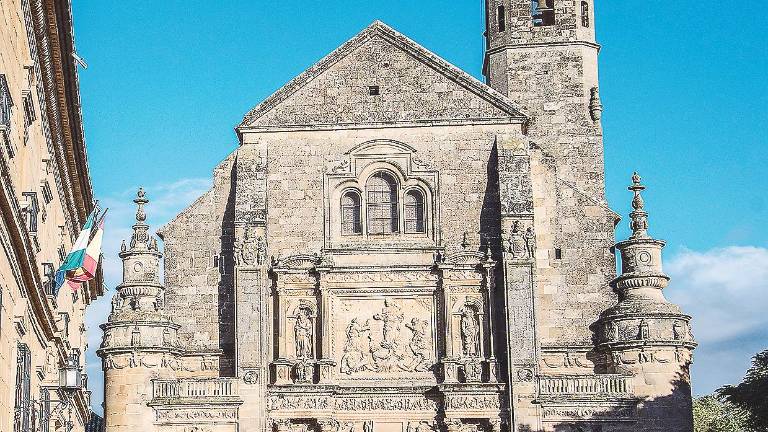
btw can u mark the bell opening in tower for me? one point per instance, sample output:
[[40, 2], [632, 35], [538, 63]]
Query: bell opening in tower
[[543, 13]]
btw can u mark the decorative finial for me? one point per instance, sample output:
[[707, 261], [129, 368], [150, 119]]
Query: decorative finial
[[140, 236], [638, 217], [140, 201]]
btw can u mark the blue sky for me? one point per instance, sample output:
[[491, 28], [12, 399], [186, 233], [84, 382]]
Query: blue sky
[[685, 105]]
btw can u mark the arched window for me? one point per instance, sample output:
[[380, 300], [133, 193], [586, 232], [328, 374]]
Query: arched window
[[584, 14], [350, 214], [414, 212], [501, 18], [381, 190]]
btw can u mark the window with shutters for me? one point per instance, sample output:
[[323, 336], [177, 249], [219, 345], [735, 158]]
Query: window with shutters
[[22, 405], [414, 212], [381, 192], [351, 223]]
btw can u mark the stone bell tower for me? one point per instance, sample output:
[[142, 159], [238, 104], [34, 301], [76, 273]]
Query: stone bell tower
[[644, 335], [542, 54], [140, 338]]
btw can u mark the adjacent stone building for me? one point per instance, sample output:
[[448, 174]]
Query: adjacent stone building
[[45, 197], [397, 247]]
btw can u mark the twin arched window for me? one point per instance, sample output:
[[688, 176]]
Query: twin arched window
[[382, 208]]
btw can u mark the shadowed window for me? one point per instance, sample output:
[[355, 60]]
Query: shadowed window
[[584, 14], [543, 12], [414, 212], [501, 18], [22, 406], [350, 214], [381, 191]]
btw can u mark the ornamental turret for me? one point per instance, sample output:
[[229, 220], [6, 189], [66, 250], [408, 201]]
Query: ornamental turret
[[140, 339], [644, 334]]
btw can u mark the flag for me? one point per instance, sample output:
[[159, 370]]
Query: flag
[[87, 271], [76, 257]]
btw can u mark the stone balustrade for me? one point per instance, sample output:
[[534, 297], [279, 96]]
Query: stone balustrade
[[585, 385], [194, 388]]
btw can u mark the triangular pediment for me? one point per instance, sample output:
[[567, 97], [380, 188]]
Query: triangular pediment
[[414, 86]]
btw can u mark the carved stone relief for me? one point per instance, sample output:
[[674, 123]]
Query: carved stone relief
[[393, 337]]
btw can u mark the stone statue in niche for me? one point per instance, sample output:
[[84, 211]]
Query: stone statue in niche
[[368, 426], [470, 331], [167, 337], [678, 332], [517, 243], [261, 251], [357, 348], [302, 330], [418, 345], [644, 332]]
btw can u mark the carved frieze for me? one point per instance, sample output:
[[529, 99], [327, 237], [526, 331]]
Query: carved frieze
[[478, 402], [345, 403]]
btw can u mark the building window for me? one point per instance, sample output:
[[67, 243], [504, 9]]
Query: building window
[[543, 12], [22, 408], [6, 103], [584, 14], [374, 90], [414, 212], [381, 191], [49, 278], [351, 222], [32, 210], [45, 188], [29, 113], [64, 319], [501, 18]]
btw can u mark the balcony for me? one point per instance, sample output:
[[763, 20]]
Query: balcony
[[214, 389], [582, 385]]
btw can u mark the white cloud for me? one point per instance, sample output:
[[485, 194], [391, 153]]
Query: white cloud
[[726, 292], [166, 200]]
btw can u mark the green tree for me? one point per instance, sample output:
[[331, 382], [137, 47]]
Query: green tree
[[711, 414], [752, 394]]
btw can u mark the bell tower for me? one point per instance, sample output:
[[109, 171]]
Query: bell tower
[[542, 54]]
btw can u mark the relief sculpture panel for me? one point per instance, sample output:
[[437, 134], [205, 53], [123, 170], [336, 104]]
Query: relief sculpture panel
[[383, 337]]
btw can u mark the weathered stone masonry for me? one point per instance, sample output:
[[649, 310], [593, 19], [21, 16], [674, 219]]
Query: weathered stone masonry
[[396, 246]]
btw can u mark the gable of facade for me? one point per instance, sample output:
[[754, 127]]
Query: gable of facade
[[379, 77]]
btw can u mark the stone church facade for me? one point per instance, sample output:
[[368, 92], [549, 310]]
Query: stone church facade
[[398, 247]]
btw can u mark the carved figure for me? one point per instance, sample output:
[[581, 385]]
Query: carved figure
[[678, 332], [303, 334], [167, 337], [247, 251], [418, 345], [530, 242], [469, 331], [357, 348], [368, 426], [644, 331], [388, 356], [261, 250], [517, 244]]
